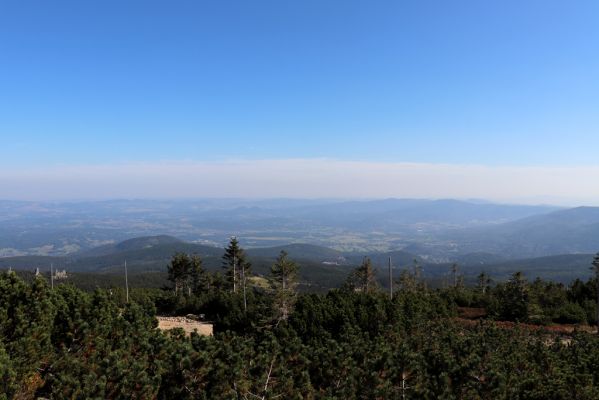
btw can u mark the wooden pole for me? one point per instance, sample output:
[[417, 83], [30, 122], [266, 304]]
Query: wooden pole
[[245, 302], [234, 273], [390, 280], [126, 282]]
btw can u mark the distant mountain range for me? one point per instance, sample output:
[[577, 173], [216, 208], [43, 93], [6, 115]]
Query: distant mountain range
[[573, 230], [97, 235]]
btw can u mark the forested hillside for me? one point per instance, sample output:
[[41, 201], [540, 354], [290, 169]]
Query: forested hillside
[[322, 267], [573, 230]]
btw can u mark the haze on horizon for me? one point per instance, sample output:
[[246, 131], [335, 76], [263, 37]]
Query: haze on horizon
[[145, 99], [306, 178]]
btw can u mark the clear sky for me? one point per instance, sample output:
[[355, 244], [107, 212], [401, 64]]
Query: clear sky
[[485, 83]]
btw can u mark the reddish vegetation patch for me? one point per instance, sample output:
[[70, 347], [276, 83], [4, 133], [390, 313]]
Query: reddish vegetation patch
[[472, 312], [564, 329], [467, 316], [30, 385]]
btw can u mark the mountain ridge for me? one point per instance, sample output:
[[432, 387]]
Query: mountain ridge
[[317, 262]]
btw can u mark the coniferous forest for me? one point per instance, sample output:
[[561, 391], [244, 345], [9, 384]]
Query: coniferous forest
[[271, 342]]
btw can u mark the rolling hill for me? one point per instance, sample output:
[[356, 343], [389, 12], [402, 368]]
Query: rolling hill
[[568, 231], [140, 243], [320, 267], [561, 268], [152, 255], [297, 251]]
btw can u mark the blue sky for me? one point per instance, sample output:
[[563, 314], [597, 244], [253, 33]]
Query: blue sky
[[504, 83]]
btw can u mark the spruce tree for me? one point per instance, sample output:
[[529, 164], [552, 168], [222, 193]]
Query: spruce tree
[[187, 274], [363, 278], [179, 270], [454, 274], [514, 298], [198, 277], [283, 282], [237, 268], [483, 282]]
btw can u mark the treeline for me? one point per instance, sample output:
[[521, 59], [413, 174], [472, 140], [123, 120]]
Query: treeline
[[536, 302], [270, 342], [517, 299]]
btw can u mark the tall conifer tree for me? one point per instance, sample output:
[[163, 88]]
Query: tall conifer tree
[[237, 268], [363, 278], [283, 282]]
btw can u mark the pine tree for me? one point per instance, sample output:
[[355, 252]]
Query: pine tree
[[187, 274], [407, 281], [179, 270], [419, 275], [237, 268], [483, 282], [454, 273], [8, 376], [198, 277], [283, 282], [363, 278], [514, 298]]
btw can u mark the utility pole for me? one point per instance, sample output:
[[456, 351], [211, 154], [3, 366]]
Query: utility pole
[[404, 387], [390, 280], [52, 275], [126, 282], [245, 302]]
